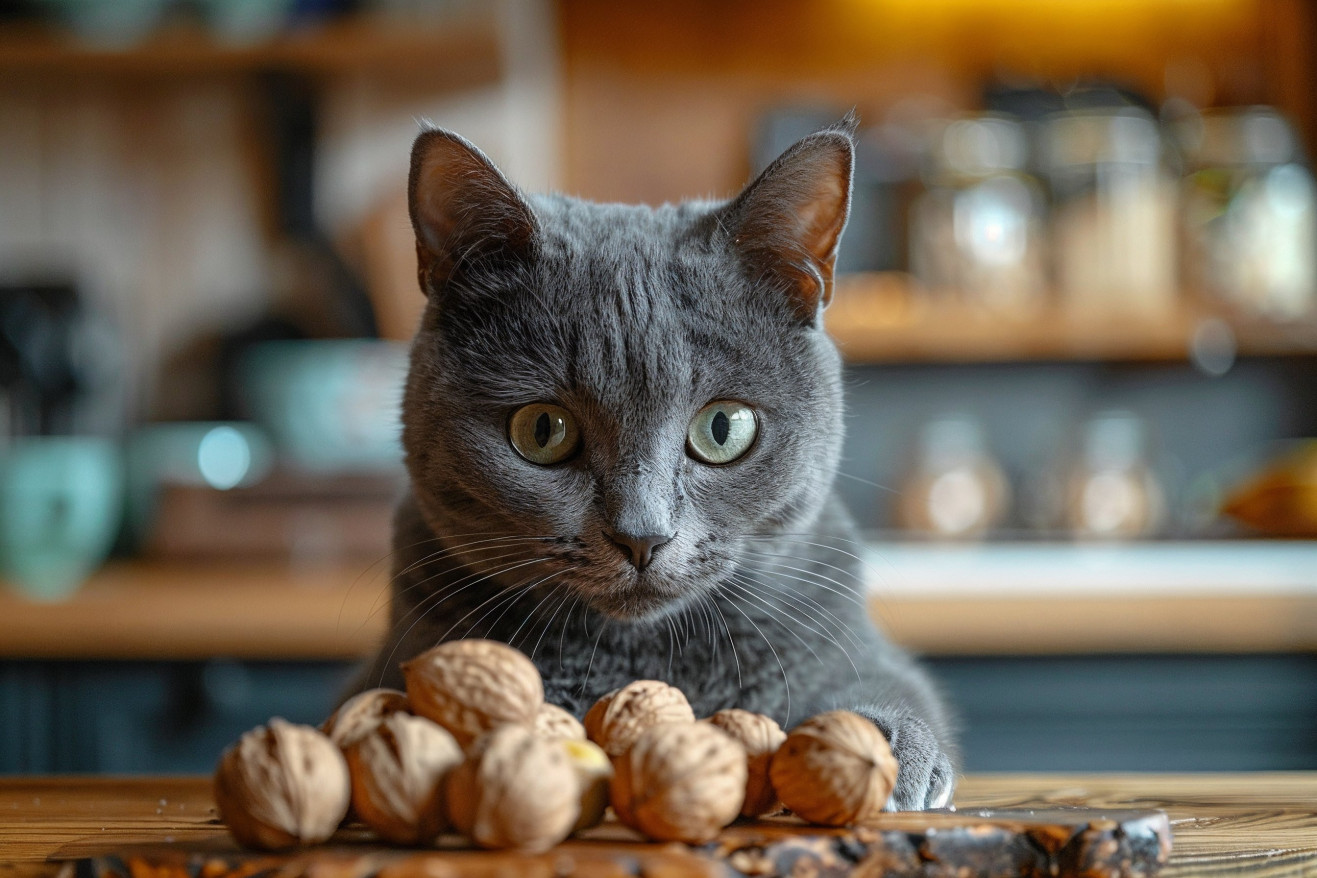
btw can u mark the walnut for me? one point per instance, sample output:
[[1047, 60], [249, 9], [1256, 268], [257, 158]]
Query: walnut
[[680, 782], [282, 785], [557, 724], [397, 772], [360, 714], [834, 769], [760, 736], [618, 719], [515, 790], [593, 773], [472, 686]]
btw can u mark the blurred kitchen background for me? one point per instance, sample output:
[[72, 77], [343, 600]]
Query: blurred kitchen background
[[1079, 309]]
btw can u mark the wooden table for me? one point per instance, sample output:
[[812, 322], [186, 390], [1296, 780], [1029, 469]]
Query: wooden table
[[1236, 824]]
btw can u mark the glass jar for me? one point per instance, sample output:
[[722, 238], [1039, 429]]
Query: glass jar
[[1249, 208], [976, 232], [1113, 212], [955, 490], [1111, 492]]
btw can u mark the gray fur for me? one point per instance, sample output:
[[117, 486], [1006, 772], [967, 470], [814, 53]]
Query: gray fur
[[634, 318]]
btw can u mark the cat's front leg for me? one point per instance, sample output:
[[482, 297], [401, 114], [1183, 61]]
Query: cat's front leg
[[926, 777]]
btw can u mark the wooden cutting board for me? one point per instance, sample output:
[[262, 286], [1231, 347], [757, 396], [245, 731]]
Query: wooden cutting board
[[1079, 842]]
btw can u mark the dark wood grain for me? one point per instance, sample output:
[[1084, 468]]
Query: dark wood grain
[[1072, 842], [978, 842]]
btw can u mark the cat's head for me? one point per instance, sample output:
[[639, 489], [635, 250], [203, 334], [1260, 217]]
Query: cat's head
[[615, 400]]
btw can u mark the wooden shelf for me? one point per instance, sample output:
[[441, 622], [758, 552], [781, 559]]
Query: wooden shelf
[[879, 318], [1040, 599], [151, 611], [353, 44], [986, 600], [1087, 624]]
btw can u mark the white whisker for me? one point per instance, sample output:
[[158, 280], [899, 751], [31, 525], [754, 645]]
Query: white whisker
[[847, 591], [549, 624], [796, 597], [590, 667], [419, 583], [786, 620], [566, 623], [786, 682], [439, 597], [498, 596], [731, 641]]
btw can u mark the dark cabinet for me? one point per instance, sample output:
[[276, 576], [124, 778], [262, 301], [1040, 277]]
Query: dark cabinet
[[1084, 713]]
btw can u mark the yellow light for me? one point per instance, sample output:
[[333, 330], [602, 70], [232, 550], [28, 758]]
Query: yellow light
[[1132, 39]]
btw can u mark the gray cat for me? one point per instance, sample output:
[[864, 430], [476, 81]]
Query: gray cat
[[622, 426]]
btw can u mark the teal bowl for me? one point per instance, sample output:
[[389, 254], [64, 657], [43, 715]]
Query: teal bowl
[[331, 406], [61, 504]]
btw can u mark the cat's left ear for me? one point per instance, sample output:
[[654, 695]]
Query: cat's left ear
[[787, 223]]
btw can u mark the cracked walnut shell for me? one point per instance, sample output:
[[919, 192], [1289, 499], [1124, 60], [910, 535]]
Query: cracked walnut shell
[[515, 790], [398, 773], [834, 769], [361, 714], [680, 782], [473, 686], [760, 736], [593, 773], [618, 719], [282, 785]]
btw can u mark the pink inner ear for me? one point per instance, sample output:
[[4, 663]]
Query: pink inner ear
[[449, 184], [822, 217], [434, 215], [789, 220], [461, 206]]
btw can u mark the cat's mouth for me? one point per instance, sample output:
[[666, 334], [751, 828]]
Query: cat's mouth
[[600, 578], [622, 592], [637, 597], [680, 572]]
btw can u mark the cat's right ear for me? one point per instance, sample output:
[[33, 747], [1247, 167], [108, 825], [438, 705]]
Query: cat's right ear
[[463, 209], [787, 223]]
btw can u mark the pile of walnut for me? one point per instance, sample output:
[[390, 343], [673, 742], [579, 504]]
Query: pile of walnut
[[472, 747]]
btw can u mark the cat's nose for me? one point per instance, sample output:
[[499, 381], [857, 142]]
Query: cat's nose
[[640, 549]]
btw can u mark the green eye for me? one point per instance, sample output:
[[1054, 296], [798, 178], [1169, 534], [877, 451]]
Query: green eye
[[544, 433], [722, 432]]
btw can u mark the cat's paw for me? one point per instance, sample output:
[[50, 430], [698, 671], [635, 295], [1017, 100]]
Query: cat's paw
[[926, 777]]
